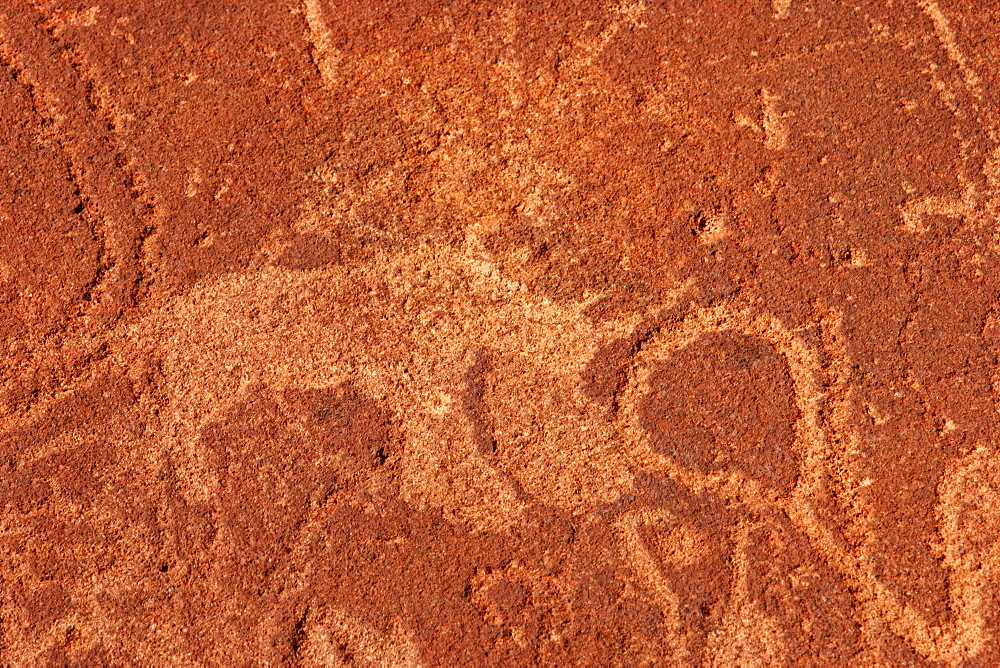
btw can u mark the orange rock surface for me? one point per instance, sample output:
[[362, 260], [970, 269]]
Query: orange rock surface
[[499, 333]]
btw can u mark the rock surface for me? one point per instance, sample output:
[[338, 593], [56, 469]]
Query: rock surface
[[499, 333]]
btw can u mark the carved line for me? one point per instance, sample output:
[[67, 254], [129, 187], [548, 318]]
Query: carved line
[[644, 565], [63, 97], [942, 27]]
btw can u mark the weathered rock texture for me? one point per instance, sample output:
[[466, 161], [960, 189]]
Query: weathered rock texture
[[498, 333]]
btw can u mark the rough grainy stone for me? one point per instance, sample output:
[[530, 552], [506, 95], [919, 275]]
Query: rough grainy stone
[[499, 333]]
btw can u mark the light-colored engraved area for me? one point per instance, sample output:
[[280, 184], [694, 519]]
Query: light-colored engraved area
[[647, 567], [775, 130], [948, 40], [914, 210], [327, 58], [782, 8], [282, 328], [747, 635], [334, 638]]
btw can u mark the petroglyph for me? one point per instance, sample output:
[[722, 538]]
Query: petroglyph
[[402, 333], [952, 642], [223, 342], [284, 337], [537, 348]]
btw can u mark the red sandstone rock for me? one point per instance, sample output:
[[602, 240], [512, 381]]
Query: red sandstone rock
[[499, 333]]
